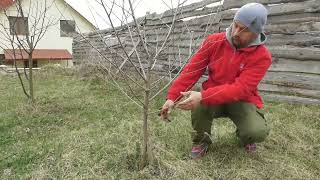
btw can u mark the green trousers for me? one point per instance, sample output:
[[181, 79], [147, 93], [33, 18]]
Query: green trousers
[[250, 122]]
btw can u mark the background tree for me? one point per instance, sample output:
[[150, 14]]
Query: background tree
[[23, 30]]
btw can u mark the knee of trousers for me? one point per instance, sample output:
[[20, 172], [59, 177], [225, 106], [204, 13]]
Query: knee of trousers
[[201, 117], [254, 135]]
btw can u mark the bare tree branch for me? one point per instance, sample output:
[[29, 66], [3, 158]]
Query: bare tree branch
[[109, 60], [117, 35]]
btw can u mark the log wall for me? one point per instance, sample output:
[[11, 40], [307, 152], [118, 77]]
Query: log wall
[[293, 32]]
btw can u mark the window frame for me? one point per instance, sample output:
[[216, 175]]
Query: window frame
[[34, 64], [66, 24], [16, 27]]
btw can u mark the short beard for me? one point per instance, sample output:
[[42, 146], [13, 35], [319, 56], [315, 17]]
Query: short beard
[[237, 46]]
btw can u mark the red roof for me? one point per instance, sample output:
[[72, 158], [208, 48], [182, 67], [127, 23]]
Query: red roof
[[4, 4], [38, 54]]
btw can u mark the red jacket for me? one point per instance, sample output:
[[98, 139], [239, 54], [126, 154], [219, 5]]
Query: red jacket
[[234, 74]]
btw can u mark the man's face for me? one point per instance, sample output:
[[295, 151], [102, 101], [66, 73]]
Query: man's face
[[241, 35]]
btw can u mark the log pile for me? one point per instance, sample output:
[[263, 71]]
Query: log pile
[[293, 32]]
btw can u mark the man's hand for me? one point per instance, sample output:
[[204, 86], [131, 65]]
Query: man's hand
[[191, 102], [166, 108]]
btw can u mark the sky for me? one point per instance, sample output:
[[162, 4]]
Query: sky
[[96, 14]]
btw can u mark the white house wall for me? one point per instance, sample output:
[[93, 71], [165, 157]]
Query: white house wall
[[58, 11]]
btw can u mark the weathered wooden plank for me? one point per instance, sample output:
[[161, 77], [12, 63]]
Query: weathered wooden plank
[[298, 39], [311, 6], [165, 62], [295, 80], [177, 24], [182, 39], [294, 18], [289, 99], [181, 50], [288, 52], [291, 52], [192, 24], [315, 94], [175, 34], [307, 84], [184, 9], [162, 58], [292, 28], [228, 4], [186, 29], [295, 91], [291, 65], [195, 30], [283, 20], [269, 92], [106, 31], [183, 45], [173, 46], [179, 17], [279, 24]]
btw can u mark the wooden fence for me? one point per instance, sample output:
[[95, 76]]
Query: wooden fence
[[293, 32]]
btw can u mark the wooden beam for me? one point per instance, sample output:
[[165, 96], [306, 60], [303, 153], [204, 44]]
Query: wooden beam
[[192, 14], [294, 80], [315, 94], [184, 9], [291, 52], [228, 4], [299, 39], [311, 6], [289, 99], [292, 65]]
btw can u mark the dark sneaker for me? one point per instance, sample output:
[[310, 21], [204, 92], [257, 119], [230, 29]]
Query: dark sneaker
[[198, 151], [250, 148]]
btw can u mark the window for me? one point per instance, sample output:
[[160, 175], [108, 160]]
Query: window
[[34, 64], [2, 59], [67, 28], [18, 25]]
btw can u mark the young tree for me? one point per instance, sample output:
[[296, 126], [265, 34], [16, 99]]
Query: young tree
[[23, 30], [138, 46]]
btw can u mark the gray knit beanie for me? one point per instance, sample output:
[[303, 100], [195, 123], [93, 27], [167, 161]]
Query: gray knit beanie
[[253, 16]]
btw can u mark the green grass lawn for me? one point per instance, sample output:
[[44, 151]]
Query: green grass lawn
[[84, 128]]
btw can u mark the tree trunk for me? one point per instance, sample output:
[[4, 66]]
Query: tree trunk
[[145, 144], [31, 78], [146, 153], [19, 76]]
